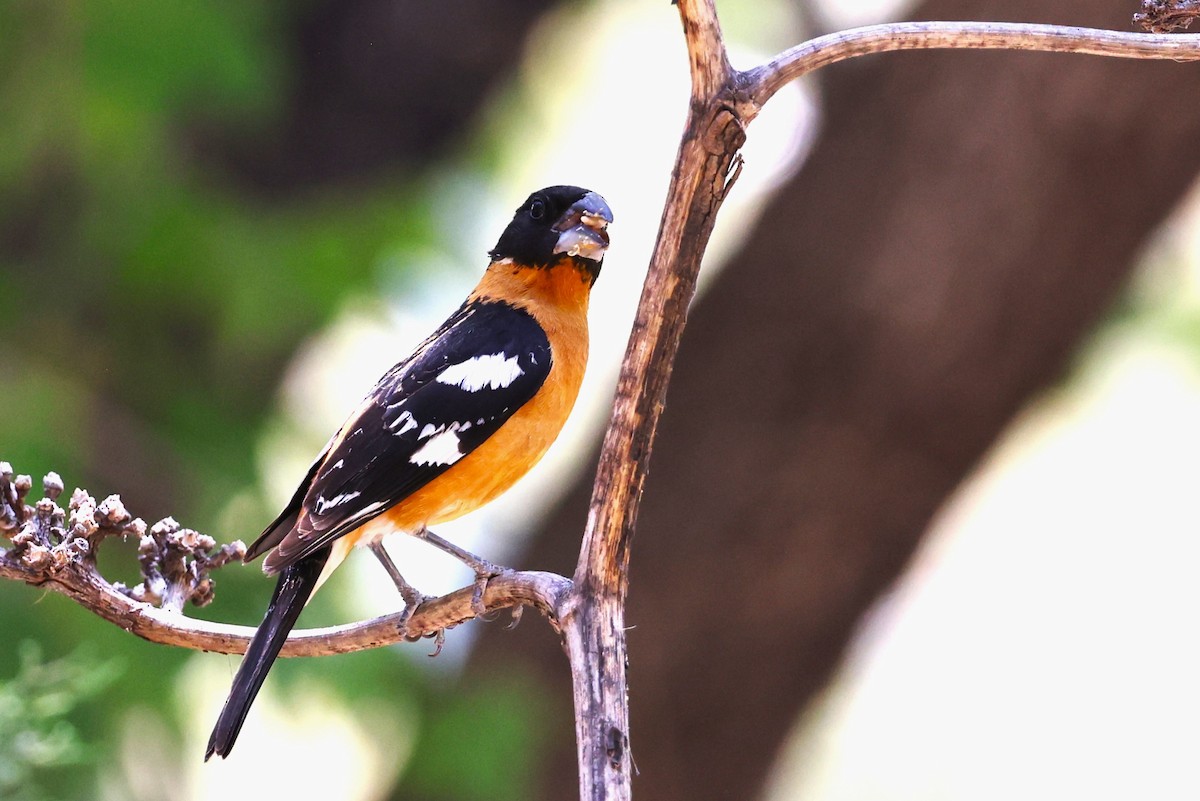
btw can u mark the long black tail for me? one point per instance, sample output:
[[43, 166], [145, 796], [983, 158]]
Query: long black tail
[[296, 584]]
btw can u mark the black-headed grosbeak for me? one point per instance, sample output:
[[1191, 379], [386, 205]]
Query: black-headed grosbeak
[[449, 428]]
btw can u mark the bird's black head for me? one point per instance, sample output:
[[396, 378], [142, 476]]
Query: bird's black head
[[555, 223]]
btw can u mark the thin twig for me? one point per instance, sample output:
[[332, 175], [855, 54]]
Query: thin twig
[[822, 51]]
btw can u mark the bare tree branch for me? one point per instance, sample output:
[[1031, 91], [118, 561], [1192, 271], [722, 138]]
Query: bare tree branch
[[594, 629], [723, 102], [168, 627], [57, 551], [822, 51]]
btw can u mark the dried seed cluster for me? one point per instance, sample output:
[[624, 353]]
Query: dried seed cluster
[[175, 561], [1167, 16]]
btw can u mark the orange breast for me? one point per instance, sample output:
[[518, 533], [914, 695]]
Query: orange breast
[[557, 298]]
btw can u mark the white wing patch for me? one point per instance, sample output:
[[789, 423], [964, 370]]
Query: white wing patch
[[404, 422], [442, 448], [336, 500], [494, 371]]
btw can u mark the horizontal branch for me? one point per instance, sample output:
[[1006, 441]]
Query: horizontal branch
[[764, 81], [542, 591]]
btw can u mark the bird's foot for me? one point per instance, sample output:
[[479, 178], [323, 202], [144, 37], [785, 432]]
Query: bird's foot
[[413, 598], [410, 607], [484, 570]]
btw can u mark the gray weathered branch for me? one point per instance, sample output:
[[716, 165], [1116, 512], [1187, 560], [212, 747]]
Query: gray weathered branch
[[822, 51]]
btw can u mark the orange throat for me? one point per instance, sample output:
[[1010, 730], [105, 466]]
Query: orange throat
[[565, 285]]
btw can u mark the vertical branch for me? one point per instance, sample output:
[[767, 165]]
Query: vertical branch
[[593, 615]]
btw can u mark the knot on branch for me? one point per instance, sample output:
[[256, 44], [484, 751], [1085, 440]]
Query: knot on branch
[[725, 133], [175, 564], [1166, 16]]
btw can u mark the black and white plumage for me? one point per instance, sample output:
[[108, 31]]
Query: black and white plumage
[[425, 414], [446, 430]]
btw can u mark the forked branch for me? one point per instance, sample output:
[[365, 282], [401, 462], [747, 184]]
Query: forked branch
[[723, 102]]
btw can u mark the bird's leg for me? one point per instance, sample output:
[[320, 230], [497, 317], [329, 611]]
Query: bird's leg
[[410, 594], [412, 597], [484, 569]]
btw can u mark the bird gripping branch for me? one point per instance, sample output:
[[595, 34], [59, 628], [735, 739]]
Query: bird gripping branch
[[446, 430]]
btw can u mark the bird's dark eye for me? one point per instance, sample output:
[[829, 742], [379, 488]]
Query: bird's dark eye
[[537, 209]]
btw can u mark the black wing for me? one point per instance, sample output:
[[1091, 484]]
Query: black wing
[[424, 415]]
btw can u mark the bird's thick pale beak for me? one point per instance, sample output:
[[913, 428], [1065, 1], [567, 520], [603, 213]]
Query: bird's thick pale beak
[[583, 228]]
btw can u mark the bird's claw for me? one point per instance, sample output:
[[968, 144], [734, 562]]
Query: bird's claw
[[517, 611], [439, 636]]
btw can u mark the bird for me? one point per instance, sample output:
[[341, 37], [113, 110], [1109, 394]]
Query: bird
[[444, 431]]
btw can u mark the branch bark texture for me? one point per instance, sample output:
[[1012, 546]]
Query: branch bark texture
[[594, 629]]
